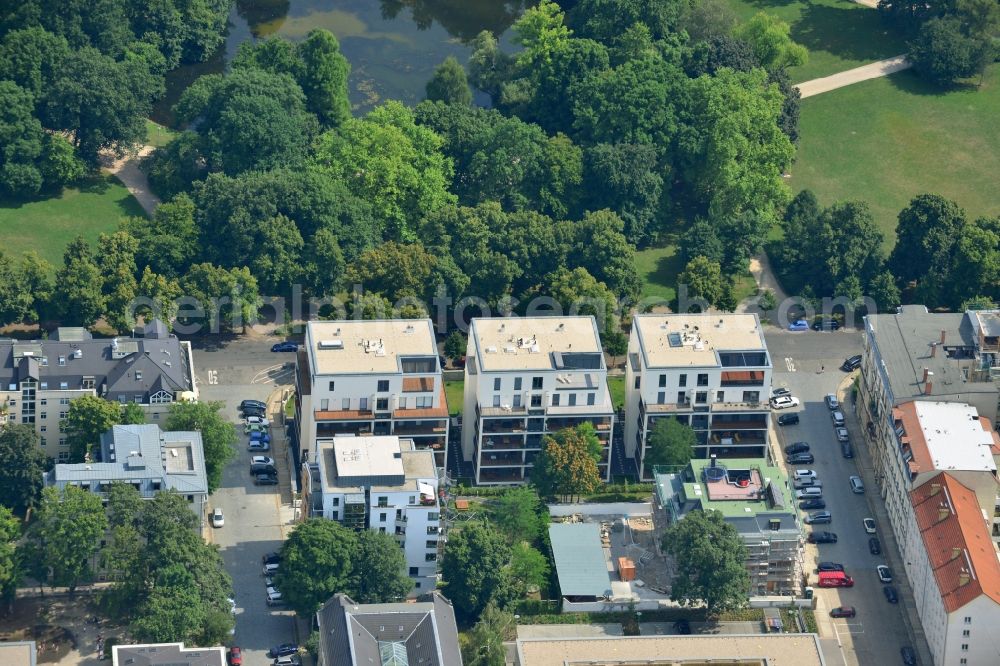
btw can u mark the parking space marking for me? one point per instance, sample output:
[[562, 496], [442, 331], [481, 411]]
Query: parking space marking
[[262, 374], [789, 364]]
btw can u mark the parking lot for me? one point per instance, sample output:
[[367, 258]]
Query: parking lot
[[257, 519], [808, 365]]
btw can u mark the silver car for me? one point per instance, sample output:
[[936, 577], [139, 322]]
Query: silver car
[[831, 401]]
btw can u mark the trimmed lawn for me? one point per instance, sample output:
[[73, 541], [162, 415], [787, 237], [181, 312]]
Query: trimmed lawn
[[47, 225], [839, 34], [616, 387], [658, 269], [158, 135], [454, 393], [886, 140]]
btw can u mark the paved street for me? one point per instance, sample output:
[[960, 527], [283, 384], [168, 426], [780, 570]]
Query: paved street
[[878, 631], [257, 518]]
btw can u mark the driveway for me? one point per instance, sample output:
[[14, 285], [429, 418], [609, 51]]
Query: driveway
[[878, 631], [258, 519]]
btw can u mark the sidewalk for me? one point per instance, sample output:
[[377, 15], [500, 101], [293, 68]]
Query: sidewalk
[[858, 74], [890, 549]]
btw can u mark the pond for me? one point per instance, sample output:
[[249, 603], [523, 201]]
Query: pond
[[393, 45]]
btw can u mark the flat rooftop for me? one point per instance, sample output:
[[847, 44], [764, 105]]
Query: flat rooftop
[[953, 436], [677, 340], [732, 650], [579, 558], [368, 456], [384, 462], [744, 487], [18, 653], [536, 343], [369, 347]]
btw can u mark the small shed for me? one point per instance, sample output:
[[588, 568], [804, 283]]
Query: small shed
[[581, 565]]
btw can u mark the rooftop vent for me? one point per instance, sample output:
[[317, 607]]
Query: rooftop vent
[[78, 353], [331, 344]]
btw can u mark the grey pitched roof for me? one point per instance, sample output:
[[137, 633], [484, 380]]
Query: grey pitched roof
[[422, 633], [168, 654], [67, 358], [579, 558], [143, 452]]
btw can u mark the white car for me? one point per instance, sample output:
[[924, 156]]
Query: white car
[[884, 573], [258, 420], [805, 474], [869, 524], [831, 401], [813, 492], [806, 482], [270, 569], [257, 445], [218, 520], [843, 435], [784, 402], [262, 460]]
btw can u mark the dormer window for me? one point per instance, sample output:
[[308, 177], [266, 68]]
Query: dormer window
[[138, 374], [62, 360]]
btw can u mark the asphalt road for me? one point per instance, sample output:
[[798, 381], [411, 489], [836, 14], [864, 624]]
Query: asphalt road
[[808, 363], [257, 518]]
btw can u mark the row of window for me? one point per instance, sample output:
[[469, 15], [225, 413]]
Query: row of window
[[701, 397], [682, 380], [536, 400], [536, 383], [383, 386]]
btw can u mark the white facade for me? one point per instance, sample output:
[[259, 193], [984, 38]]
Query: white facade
[[526, 377], [710, 371], [383, 484], [371, 378]]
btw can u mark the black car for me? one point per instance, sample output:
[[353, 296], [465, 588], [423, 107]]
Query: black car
[[284, 347], [265, 479], [797, 447], [874, 546], [682, 627], [252, 403], [829, 566], [805, 505], [908, 655], [788, 419], [283, 650], [822, 537], [851, 363], [846, 450], [826, 325], [271, 558], [890, 594], [253, 410], [801, 459]]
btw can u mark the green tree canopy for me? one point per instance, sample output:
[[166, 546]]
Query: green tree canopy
[[66, 533], [115, 259], [710, 559], [671, 443], [22, 464], [88, 418], [770, 39], [449, 84], [378, 569], [703, 279], [484, 645], [943, 52], [168, 243], [228, 298], [78, 295], [455, 345], [218, 436], [316, 563], [475, 571], [519, 514], [10, 570], [567, 464]]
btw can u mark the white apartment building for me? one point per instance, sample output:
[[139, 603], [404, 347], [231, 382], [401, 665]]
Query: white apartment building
[[370, 378], [381, 483], [526, 377], [710, 371], [39, 378], [952, 566]]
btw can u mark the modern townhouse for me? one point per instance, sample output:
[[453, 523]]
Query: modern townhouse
[[41, 377], [370, 378], [382, 483], [527, 377], [711, 371]]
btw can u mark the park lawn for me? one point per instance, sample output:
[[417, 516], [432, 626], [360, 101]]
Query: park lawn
[[48, 225], [454, 393], [839, 34], [886, 140], [157, 135], [658, 268]]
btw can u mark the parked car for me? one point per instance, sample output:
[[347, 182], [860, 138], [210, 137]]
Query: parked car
[[780, 391], [843, 611], [257, 436], [874, 546], [682, 627], [835, 579], [869, 524], [788, 419], [806, 505], [258, 420], [289, 660], [270, 568], [851, 363], [797, 447], [822, 537], [284, 347], [265, 479], [831, 401], [806, 482], [884, 573], [829, 566], [252, 403], [808, 493], [784, 402], [857, 485], [255, 427], [801, 459], [826, 325], [805, 474], [908, 655], [843, 435], [258, 445], [890, 594], [283, 650], [799, 325], [235, 656], [274, 597], [271, 558], [262, 460], [846, 450], [254, 411], [218, 520], [819, 518], [838, 418]]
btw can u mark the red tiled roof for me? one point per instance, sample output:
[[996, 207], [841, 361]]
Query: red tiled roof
[[907, 413], [988, 427], [957, 541]]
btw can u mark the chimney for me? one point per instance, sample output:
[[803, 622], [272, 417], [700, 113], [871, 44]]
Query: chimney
[[926, 372], [928, 384], [943, 511], [933, 350], [943, 334], [935, 489], [963, 577], [955, 552], [927, 388]]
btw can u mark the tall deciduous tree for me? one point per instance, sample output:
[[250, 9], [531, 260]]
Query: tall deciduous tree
[[528, 567], [378, 569], [567, 464], [710, 560], [943, 52], [66, 533], [169, 242], [703, 279], [88, 418], [316, 563], [78, 293], [218, 436], [449, 84], [116, 260], [474, 568], [324, 77], [926, 233], [229, 298], [624, 178], [22, 464], [484, 645], [518, 514], [770, 39], [10, 571], [455, 345], [671, 443]]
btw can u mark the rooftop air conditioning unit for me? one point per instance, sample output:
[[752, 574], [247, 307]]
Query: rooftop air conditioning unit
[[331, 344]]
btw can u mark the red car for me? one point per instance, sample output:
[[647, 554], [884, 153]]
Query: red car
[[235, 657]]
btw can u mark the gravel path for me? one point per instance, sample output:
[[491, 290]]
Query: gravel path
[[856, 75], [128, 172]]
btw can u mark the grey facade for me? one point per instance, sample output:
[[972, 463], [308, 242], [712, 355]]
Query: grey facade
[[39, 378], [422, 633], [167, 654]]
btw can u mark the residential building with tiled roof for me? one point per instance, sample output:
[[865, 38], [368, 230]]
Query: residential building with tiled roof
[[951, 563], [167, 654]]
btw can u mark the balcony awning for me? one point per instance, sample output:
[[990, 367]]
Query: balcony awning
[[743, 376]]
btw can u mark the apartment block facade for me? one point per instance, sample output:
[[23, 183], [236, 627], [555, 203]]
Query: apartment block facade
[[710, 371], [41, 377], [381, 483], [526, 377], [370, 378]]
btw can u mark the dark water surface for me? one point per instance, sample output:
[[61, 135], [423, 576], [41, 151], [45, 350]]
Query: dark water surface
[[393, 45]]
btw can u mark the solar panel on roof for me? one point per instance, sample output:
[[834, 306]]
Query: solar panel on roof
[[674, 339]]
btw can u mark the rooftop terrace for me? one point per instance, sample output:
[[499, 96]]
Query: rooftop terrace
[[668, 340]]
